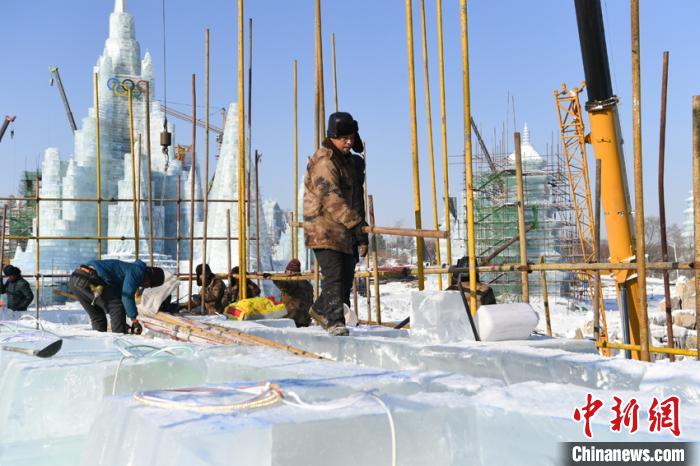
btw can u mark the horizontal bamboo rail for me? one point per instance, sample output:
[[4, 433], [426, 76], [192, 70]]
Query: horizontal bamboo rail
[[108, 199], [652, 349], [116, 238], [396, 231]]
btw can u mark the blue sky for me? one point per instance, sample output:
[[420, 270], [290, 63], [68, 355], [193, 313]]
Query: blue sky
[[522, 49]]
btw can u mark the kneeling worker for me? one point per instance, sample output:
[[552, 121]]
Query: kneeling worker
[[19, 293], [297, 295], [484, 293], [252, 290], [109, 287], [214, 294]]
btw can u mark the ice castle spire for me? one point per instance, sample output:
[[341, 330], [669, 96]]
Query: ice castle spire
[[526, 134], [120, 6]]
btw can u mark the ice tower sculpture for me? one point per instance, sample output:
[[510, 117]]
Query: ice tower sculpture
[[76, 177], [225, 186]]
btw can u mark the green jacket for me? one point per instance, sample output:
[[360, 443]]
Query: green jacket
[[19, 294]]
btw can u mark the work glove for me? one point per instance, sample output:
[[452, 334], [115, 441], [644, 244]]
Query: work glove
[[362, 250], [136, 327], [360, 237]]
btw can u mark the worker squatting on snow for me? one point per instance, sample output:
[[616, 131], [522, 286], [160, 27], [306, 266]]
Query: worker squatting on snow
[[484, 293], [19, 293], [215, 294], [109, 287], [297, 295], [252, 290], [334, 215]]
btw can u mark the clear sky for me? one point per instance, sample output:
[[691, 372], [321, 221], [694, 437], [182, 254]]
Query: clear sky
[[517, 48]]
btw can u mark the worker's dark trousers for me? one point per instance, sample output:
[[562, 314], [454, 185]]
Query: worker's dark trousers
[[338, 270], [109, 302]]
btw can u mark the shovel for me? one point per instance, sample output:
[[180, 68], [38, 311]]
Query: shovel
[[45, 352]]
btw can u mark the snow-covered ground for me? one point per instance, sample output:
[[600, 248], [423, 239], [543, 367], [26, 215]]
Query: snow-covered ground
[[108, 400]]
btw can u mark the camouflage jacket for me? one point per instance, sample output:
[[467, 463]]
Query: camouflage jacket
[[297, 297], [252, 291], [215, 295], [331, 196]]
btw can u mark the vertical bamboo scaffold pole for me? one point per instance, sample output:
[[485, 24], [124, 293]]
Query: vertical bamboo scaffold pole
[[319, 73], [258, 157], [414, 141], [468, 168], [662, 205], [249, 152], [150, 175], [178, 233], [37, 256], [638, 185], [696, 204], [335, 76], [192, 177], [368, 293], [521, 217], [205, 185], [2, 236], [228, 246], [545, 298], [133, 172], [294, 229], [99, 167], [443, 127], [375, 263], [242, 264], [431, 152]]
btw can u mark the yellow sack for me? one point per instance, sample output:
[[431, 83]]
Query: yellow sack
[[255, 308]]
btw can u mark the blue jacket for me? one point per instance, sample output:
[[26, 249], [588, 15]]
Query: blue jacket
[[124, 276]]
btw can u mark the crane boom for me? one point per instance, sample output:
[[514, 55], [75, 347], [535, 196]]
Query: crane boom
[[185, 117], [57, 77], [8, 119]]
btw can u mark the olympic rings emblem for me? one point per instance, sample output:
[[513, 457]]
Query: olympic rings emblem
[[122, 88]]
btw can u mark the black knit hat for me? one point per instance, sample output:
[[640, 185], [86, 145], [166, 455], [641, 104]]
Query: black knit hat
[[198, 273], [10, 270], [343, 124], [156, 276]]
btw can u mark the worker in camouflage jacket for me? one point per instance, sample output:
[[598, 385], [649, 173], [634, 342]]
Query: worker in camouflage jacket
[[19, 293], [252, 290], [334, 217], [297, 295], [213, 295]]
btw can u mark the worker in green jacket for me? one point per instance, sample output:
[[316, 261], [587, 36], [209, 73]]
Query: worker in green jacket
[[19, 293]]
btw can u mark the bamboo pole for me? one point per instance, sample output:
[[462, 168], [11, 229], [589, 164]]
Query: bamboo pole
[[133, 173], [443, 127], [37, 263], [139, 150], [469, 178], [335, 76], [150, 174], [258, 157], [521, 216], [431, 152], [398, 231], [242, 251], [652, 349], [205, 186], [545, 299], [368, 292], [178, 232], [319, 73], [192, 177], [375, 265], [414, 140], [291, 228], [638, 185], [228, 246], [662, 204], [317, 279], [696, 205], [2, 236], [294, 230], [99, 167], [249, 150]]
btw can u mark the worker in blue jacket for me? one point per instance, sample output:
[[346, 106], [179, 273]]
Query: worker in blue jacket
[[109, 287]]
